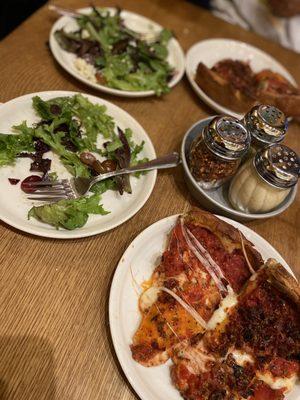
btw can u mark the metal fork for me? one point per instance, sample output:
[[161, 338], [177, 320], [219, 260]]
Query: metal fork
[[77, 187]]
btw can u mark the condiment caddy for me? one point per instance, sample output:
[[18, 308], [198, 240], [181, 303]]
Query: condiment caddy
[[240, 168]]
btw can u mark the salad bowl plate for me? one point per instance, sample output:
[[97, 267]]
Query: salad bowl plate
[[14, 204], [135, 22]]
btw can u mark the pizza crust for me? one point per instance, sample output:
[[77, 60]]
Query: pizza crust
[[229, 235], [222, 91], [282, 280]]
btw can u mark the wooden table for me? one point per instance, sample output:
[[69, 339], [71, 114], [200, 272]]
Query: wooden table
[[54, 336]]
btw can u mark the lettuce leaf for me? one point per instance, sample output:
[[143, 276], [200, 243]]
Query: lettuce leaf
[[12, 145], [104, 186], [68, 214], [91, 117], [70, 160]]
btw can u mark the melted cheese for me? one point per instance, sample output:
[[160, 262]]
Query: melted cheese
[[276, 382], [148, 298], [204, 257], [197, 358], [242, 358], [221, 313]]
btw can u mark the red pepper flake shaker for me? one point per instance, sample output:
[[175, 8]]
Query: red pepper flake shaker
[[216, 153]]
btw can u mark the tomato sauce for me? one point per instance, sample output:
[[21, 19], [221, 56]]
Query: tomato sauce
[[264, 392], [283, 368], [267, 322], [143, 352], [233, 265]]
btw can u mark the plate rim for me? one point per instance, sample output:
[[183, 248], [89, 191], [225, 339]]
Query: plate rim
[[75, 234], [114, 299], [106, 89], [239, 214], [208, 100]]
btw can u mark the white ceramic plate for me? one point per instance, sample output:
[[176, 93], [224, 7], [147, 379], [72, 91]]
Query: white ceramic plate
[[14, 205], [213, 50], [135, 22], [137, 264]]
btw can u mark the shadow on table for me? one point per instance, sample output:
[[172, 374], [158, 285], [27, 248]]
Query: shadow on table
[[26, 369]]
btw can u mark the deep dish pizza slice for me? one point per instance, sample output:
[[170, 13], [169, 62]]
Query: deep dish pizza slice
[[205, 260], [252, 350]]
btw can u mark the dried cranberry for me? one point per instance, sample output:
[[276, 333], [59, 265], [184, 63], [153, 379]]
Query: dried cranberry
[[13, 181], [62, 128], [40, 146], [26, 155], [55, 109], [69, 144], [25, 185], [41, 165]]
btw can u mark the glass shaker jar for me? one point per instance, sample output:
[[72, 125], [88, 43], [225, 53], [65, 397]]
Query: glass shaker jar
[[267, 125], [216, 153], [263, 182]]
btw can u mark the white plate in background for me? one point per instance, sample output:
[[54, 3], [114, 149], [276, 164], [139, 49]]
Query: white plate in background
[[135, 22], [210, 51], [14, 205], [136, 266]]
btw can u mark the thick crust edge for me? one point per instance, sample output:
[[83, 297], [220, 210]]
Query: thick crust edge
[[222, 91], [227, 233], [282, 280]]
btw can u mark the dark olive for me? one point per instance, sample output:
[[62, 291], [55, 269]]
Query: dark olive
[[87, 158], [109, 165], [97, 166]]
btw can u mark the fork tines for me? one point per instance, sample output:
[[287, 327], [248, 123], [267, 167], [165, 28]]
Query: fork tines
[[47, 183], [51, 190]]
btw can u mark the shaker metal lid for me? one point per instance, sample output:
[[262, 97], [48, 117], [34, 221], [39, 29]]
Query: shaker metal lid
[[278, 165], [266, 123], [227, 137]]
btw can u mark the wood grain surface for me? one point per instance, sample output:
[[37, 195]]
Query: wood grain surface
[[54, 336]]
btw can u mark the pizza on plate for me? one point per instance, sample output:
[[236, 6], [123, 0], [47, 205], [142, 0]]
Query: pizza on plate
[[252, 351], [229, 322], [206, 259], [233, 84]]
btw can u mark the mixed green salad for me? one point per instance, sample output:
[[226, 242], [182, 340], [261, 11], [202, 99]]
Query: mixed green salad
[[71, 127], [121, 58]]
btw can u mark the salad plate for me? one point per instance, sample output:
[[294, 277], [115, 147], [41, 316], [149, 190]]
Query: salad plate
[[136, 267], [211, 51], [139, 25], [14, 204]]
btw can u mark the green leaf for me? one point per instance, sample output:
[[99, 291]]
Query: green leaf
[[131, 67], [104, 186], [12, 145], [68, 214], [70, 160], [164, 36], [93, 118], [23, 129]]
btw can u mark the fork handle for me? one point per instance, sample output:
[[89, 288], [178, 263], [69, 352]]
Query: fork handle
[[64, 11], [167, 161]]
